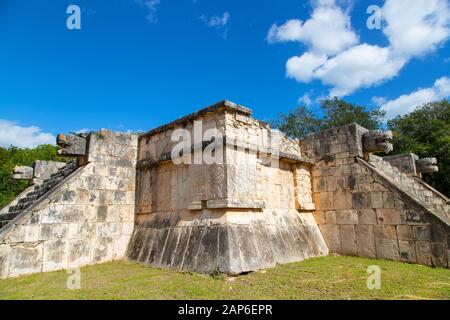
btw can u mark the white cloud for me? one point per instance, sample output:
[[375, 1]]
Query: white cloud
[[328, 31], [408, 102], [152, 7], [217, 22], [336, 58], [415, 27], [379, 100], [303, 68], [305, 99], [13, 134], [358, 67]]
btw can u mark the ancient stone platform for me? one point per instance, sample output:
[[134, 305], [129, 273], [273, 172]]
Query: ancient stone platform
[[220, 191]]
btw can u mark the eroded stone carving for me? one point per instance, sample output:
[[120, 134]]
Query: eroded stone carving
[[22, 173], [377, 141], [71, 145], [427, 165]]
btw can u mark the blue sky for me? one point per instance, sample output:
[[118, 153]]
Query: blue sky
[[137, 64]]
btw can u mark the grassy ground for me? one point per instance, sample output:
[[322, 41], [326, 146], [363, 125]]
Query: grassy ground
[[320, 278]]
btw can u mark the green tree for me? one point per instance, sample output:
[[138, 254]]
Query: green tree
[[340, 113], [426, 132], [12, 156], [336, 112], [298, 123]]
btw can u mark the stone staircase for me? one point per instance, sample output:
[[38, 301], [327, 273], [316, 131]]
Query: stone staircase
[[433, 199], [27, 199]]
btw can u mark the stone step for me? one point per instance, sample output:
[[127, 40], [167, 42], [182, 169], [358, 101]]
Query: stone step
[[420, 191], [38, 191], [8, 216], [4, 223]]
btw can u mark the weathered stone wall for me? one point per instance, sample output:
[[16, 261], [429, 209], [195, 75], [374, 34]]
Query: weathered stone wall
[[87, 218], [363, 212], [233, 217]]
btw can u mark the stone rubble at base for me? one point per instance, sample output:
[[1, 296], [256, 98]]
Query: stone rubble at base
[[271, 200]]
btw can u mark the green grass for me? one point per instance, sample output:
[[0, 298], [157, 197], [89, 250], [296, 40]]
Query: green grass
[[329, 277]]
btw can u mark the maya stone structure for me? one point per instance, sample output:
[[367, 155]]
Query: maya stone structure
[[219, 191]]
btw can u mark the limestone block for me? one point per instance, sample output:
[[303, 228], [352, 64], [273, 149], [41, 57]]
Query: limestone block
[[70, 213], [159, 243], [50, 214], [130, 197], [102, 213], [319, 216], [386, 242], [79, 252], [120, 246], [405, 232], [439, 252], [367, 216], [388, 200], [51, 231], [5, 251], [87, 230], [389, 216], [103, 230], [136, 243], [407, 251], [319, 184], [330, 183], [127, 228], [377, 199], [31, 233], [207, 254], [422, 233], [113, 214], [361, 200], [387, 249], [346, 217], [81, 196], [342, 200], [126, 213], [365, 241], [18, 234], [323, 200], [55, 255], [348, 240], [145, 244], [25, 259], [330, 217], [73, 231], [93, 196], [423, 252], [67, 197], [102, 249], [331, 234]]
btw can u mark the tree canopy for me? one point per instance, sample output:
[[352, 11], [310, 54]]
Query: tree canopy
[[426, 132], [336, 112]]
